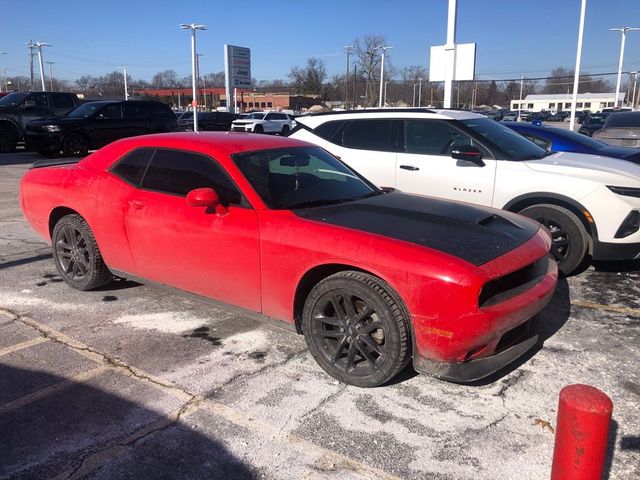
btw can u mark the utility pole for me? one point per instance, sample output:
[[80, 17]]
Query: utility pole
[[347, 51], [420, 93], [450, 49], [355, 78], [624, 31], [413, 104], [50, 75]]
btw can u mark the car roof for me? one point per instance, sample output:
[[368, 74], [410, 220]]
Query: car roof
[[441, 113]]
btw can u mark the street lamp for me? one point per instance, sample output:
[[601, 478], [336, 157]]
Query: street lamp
[[624, 31], [420, 93], [50, 75], [384, 48], [5, 75], [193, 27], [126, 89], [414, 94], [385, 91], [347, 51], [39, 46]]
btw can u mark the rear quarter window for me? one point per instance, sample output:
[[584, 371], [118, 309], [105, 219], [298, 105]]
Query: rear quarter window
[[132, 166], [329, 130]]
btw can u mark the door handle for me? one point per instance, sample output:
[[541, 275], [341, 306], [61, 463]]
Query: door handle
[[136, 203], [411, 168]]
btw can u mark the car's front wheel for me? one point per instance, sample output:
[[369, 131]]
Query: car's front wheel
[[258, 129], [356, 329], [570, 240], [76, 254], [285, 130], [76, 145]]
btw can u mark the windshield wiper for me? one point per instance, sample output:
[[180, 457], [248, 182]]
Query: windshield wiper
[[317, 203]]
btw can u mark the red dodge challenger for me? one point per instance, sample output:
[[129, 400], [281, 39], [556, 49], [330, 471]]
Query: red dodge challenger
[[372, 277]]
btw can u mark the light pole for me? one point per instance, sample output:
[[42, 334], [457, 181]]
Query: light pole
[[5, 75], [385, 91], [126, 90], [384, 49], [576, 72], [347, 51], [50, 75], [193, 27], [420, 93], [633, 99], [414, 94], [624, 31], [31, 46], [39, 45]]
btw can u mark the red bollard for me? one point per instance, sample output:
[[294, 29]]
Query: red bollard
[[584, 415]]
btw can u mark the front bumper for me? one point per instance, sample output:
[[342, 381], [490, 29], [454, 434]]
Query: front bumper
[[45, 142], [604, 251], [476, 335]]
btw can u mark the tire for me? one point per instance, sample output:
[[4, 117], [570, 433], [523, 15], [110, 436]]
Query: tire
[[76, 145], [76, 254], [356, 329], [8, 140], [258, 129], [570, 238], [285, 130]]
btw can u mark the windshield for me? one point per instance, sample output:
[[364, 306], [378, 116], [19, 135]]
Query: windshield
[[255, 116], [86, 110], [298, 177], [13, 98], [514, 144], [579, 138]]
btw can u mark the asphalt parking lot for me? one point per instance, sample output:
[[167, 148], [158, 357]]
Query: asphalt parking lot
[[132, 381]]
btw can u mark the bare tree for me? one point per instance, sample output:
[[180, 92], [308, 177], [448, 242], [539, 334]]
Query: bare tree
[[369, 62], [309, 79], [166, 79]]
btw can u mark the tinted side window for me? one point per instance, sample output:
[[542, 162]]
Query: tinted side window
[[368, 135], [541, 142], [39, 100], [178, 172], [111, 111], [270, 116], [435, 137], [132, 166], [157, 108], [328, 130], [132, 110], [60, 100]]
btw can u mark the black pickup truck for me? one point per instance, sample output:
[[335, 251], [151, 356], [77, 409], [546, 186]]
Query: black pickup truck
[[18, 108]]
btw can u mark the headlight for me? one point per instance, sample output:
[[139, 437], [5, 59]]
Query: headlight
[[625, 191], [52, 128]]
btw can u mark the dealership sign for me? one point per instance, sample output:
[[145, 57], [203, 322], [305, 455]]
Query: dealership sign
[[237, 71]]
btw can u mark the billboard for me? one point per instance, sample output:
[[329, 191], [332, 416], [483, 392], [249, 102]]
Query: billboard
[[465, 66], [237, 71]]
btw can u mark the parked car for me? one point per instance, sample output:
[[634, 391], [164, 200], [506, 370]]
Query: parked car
[[537, 116], [19, 108], [264, 122], [563, 140], [95, 124], [580, 116], [558, 116], [207, 121], [510, 117], [590, 203], [622, 129], [592, 123], [280, 227]]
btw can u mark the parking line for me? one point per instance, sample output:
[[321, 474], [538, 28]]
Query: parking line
[[607, 308], [19, 346], [51, 389]]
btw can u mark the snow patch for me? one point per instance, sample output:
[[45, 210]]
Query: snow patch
[[168, 322]]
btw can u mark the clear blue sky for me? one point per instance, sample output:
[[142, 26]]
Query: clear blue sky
[[514, 37]]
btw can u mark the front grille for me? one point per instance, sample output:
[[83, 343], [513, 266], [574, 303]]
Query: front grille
[[514, 336], [503, 288]]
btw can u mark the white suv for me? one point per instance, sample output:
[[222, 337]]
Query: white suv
[[591, 204], [264, 122]]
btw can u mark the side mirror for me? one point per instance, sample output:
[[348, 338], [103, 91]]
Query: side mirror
[[206, 197], [468, 154]]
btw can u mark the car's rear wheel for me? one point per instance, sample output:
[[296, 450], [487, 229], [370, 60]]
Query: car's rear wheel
[[258, 129], [8, 140], [285, 130], [570, 238], [76, 254], [76, 145], [356, 329]]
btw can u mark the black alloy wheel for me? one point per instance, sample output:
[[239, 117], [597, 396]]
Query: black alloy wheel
[[76, 254], [356, 330], [285, 130], [76, 145], [570, 240], [258, 129], [8, 140]]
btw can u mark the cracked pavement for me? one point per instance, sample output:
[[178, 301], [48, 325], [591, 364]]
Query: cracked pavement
[[131, 381]]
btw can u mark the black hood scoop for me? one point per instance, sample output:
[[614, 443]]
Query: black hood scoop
[[470, 232]]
